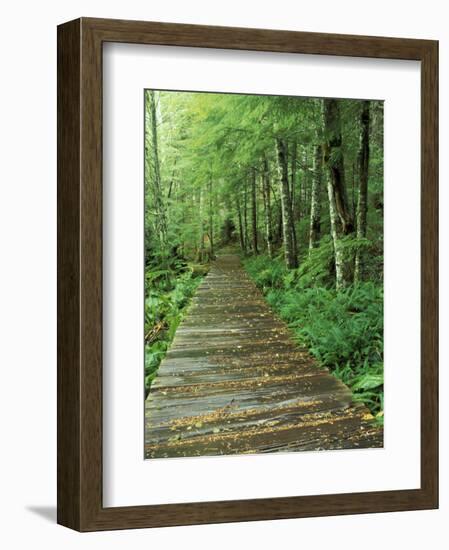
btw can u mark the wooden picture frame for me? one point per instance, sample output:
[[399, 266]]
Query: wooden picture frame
[[80, 503]]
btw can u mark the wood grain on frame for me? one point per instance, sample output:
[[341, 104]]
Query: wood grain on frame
[[80, 274]]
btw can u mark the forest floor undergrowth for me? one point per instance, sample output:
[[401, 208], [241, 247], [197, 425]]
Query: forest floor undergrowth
[[234, 381], [342, 330]]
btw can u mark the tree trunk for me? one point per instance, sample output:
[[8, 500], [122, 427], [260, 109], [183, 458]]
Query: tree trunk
[[353, 198], [280, 223], [292, 218], [292, 193], [362, 203], [239, 215], [245, 216], [293, 174], [315, 205], [305, 179], [334, 159], [267, 207], [338, 252], [341, 220], [254, 210], [211, 221], [157, 185], [172, 180], [201, 247], [291, 258]]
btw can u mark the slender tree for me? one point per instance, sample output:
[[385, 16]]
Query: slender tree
[[362, 202], [293, 162], [305, 178], [201, 247], [291, 258], [239, 216], [211, 219], [267, 207], [161, 217], [254, 210], [315, 205], [336, 239], [172, 180], [279, 220], [245, 216], [291, 197]]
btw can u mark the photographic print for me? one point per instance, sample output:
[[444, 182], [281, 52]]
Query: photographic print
[[263, 274]]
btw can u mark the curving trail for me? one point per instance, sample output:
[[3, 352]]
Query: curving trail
[[234, 381]]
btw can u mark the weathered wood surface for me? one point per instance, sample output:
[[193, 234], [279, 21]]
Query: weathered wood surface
[[234, 381]]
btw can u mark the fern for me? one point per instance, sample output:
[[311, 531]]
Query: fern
[[166, 299]]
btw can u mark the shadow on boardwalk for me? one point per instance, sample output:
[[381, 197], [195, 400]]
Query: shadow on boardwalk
[[234, 381]]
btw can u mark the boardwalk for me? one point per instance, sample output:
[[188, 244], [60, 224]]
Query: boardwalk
[[234, 381]]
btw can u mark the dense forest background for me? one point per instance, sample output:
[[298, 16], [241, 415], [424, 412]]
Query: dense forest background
[[296, 186]]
